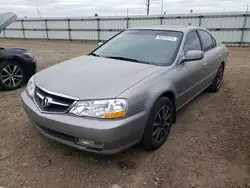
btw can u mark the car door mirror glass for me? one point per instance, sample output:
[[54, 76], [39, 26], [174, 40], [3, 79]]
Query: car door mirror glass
[[193, 55]]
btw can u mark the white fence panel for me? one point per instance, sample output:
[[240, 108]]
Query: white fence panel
[[86, 28], [105, 35], [57, 24], [83, 24], [113, 24], [58, 34], [34, 24], [227, 36], [181, 21], [84, 35], [248, 22], [1, 35], [221, 22], [14, 33], [15, 25], [247, 36], [35, 35], [143, 22]]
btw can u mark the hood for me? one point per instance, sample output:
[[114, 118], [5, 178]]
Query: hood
[[15, 50], [6, 19], [21, 50], [89, 77]]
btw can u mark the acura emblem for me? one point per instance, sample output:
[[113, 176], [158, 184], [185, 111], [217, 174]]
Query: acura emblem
[[46, 102]]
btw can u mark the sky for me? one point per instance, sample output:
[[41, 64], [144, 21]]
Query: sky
[[82, 8]]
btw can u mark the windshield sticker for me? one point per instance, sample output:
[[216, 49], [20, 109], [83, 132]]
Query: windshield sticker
[[158, 37]]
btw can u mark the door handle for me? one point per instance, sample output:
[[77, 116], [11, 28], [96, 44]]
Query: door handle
[[205, 64]]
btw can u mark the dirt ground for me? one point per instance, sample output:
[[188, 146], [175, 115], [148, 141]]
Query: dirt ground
[[208, 146]]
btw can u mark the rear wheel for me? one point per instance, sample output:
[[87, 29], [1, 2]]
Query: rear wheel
[[159, 124], [11, 75], [216, 84]]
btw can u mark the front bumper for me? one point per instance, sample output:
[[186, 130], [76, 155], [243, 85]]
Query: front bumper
[[108, 136]]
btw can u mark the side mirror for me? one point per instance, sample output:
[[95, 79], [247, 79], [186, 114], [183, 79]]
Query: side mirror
[[193, 55], [100, 43]]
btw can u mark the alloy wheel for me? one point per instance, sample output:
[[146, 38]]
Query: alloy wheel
[[162, 123], [219, 77], [11, 75]]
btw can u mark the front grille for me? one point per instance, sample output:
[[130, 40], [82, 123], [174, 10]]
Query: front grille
[[48, 102]]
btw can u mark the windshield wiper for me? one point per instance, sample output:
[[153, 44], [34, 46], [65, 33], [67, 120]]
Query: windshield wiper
[[126, 59], [122, 58], [93, 54]]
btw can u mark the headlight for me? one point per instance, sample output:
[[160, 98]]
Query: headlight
[[108, 109], [31, 87]]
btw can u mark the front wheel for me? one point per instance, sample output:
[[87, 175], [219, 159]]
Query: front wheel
[[11, 75], [159, 124]]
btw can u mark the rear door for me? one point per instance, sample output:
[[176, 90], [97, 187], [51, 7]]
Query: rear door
[[211, 57]]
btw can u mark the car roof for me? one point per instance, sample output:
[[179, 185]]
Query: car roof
[[182, 28]]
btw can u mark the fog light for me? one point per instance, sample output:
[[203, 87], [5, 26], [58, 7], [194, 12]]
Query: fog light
[[89, 143], [85, 142]]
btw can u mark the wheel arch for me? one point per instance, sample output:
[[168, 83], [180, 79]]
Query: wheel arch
[[147, 143], [171, 95], [10, 60], [15, 58], [18, 60]]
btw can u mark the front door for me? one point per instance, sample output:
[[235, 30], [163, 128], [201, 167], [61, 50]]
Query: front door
[[190, 80]]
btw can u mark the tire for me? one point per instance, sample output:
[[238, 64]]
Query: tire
[[216, 84], [12, 75], [154, 123]]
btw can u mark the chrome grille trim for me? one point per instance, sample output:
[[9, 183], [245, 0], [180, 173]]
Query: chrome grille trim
[[57, 94], [52, 101], [65, 107]]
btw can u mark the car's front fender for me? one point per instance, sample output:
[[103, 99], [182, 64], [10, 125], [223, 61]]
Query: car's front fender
[[144, 94]]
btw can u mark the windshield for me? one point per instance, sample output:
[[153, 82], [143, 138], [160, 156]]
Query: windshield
[[145, 46]]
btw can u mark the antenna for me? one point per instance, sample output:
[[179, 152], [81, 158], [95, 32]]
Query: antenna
[[161, 7], [39, 15], [148, 5]]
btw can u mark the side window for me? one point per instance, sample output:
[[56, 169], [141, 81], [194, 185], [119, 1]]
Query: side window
[[192, 42], [206, 40]]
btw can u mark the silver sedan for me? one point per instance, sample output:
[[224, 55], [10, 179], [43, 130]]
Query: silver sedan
[[126, 91]]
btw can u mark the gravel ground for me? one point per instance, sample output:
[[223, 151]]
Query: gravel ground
[[208, 146]]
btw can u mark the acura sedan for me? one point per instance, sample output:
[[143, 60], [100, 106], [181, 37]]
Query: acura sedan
[[127, 90]]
